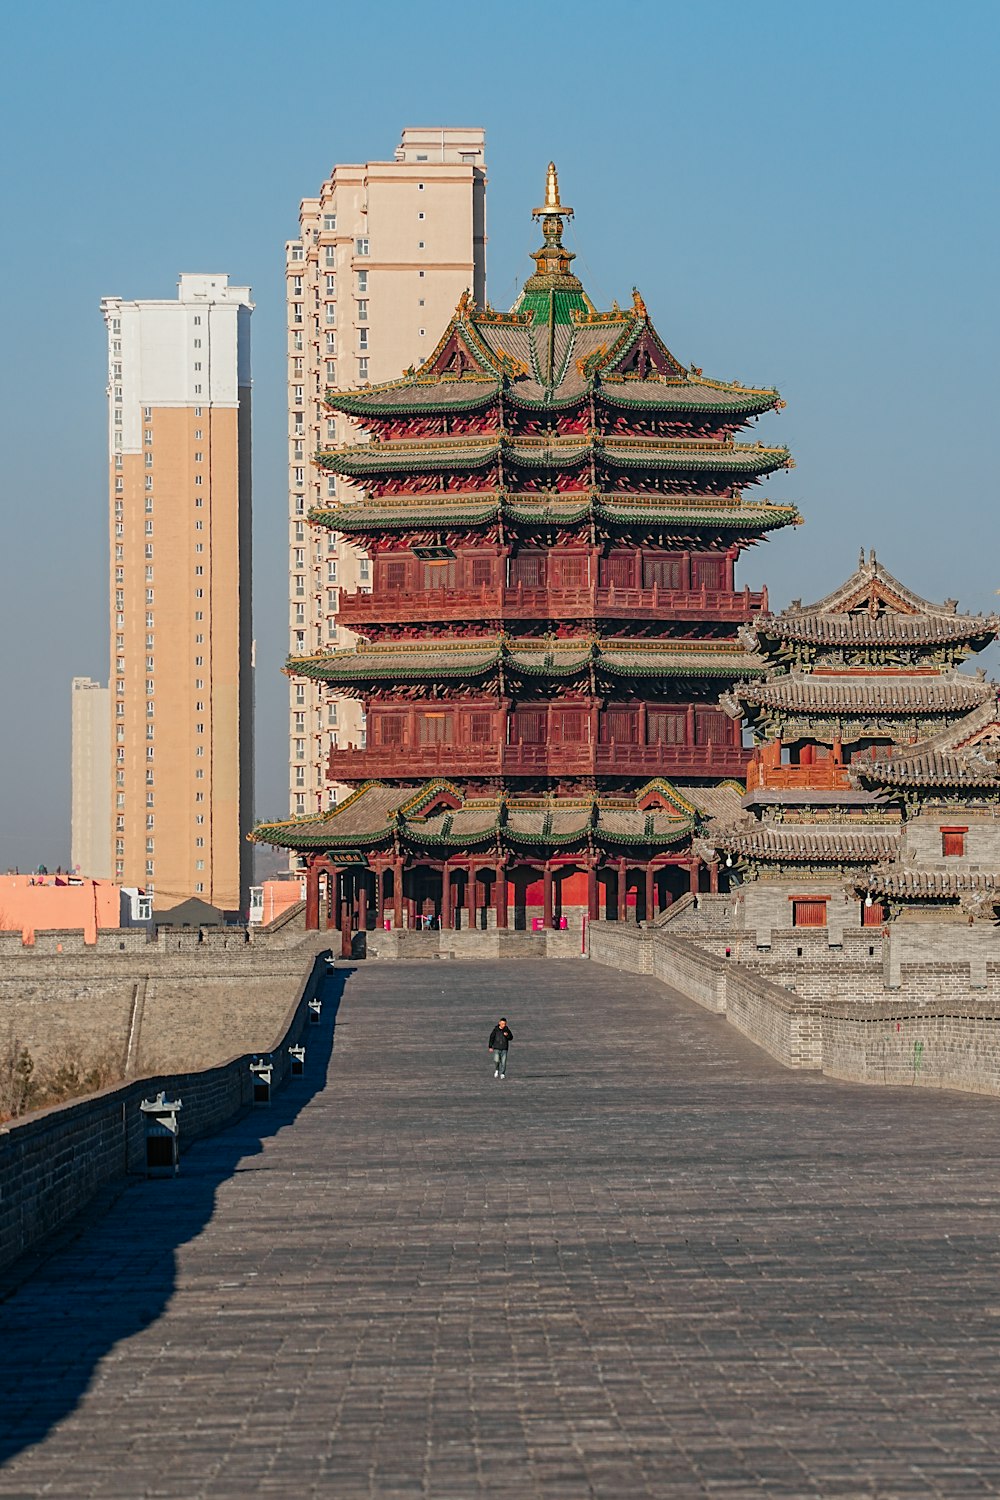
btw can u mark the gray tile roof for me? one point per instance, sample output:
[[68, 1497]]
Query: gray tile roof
[[828, 842], [888, 693]]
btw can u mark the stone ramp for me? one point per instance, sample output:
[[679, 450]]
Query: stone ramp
[[651, 1263]]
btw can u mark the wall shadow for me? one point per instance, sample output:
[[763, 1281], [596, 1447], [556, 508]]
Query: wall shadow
[[113, 1273]]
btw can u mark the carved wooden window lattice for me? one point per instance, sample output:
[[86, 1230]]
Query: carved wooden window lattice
[[620, 725], [528, 570], [666, 726], [529, 725], [439, 575], [572, 726], [712, 727], [663, 572], [708, 573], [435, 729], [618, 570], [392, 729], [571, 571]]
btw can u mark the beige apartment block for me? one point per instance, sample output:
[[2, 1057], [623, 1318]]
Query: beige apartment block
[[384, 254], [90, 728], [181, 684]]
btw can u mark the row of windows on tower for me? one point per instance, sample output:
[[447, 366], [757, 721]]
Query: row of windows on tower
[[650, 724], [624, 569]]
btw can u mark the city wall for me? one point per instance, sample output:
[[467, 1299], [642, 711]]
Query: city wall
[[54, 1162], [181, 1002], [938, 1026], [472, 943]]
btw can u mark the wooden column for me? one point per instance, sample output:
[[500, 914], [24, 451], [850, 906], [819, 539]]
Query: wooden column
[[332, 899], [501, 895], [312, 898], [593, 909], [446, 912], [397, 892], [650, 891], [361, 903], [345, 929], [731, 557], [713, 876], [622, 892], [690, 730], [695, 869], [547, 896]]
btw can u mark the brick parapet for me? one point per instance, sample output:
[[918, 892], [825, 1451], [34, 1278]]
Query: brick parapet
[[935, 1030], [492, 944], [52, 1163]]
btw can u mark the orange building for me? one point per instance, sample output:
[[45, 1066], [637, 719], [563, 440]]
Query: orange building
[[181, 675], [30, 903]]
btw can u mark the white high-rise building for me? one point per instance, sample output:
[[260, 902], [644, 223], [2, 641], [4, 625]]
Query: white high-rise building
[[384, 254], [90, 842], [181, 773]]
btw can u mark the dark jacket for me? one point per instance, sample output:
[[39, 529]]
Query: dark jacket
[[500, 1039]]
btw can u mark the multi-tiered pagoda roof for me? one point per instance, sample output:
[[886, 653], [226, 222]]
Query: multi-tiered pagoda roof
[[861, 691], [554, 505], [871, 664]]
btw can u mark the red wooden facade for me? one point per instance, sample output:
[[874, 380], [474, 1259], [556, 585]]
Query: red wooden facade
[[555, 502]]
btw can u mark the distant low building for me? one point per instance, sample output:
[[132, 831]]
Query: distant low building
[[273, 898], [32, 903]]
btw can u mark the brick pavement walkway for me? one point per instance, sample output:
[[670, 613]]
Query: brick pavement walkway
[[651, 1263]]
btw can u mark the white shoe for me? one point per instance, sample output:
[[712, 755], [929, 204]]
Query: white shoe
[[496, 1072]]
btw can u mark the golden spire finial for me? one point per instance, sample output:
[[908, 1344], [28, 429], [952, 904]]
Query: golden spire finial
[[552, 204]]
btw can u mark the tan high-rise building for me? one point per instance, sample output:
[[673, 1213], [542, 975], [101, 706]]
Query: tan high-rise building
[[90, 841], [385, 253], [181, 671]]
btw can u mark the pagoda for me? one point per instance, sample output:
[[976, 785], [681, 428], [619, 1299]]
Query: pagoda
[[947, 791], [851, 684], [554, 508]]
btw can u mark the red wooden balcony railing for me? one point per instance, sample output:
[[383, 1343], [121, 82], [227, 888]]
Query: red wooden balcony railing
[[392, 607], [824, 776], [412, 762], [826, 773]]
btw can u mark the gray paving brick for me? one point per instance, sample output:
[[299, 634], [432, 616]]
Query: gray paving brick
[[651, 1263]]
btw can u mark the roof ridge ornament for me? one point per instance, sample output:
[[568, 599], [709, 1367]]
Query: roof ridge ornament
[[552, 204], [552, 261]]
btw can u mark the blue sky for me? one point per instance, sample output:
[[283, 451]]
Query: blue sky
[[805, 194]]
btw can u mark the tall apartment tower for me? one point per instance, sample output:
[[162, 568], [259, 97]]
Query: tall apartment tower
[[384, 254], [90, 842], [181, 670]]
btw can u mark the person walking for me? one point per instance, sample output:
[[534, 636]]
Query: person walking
[[500, 1039]]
